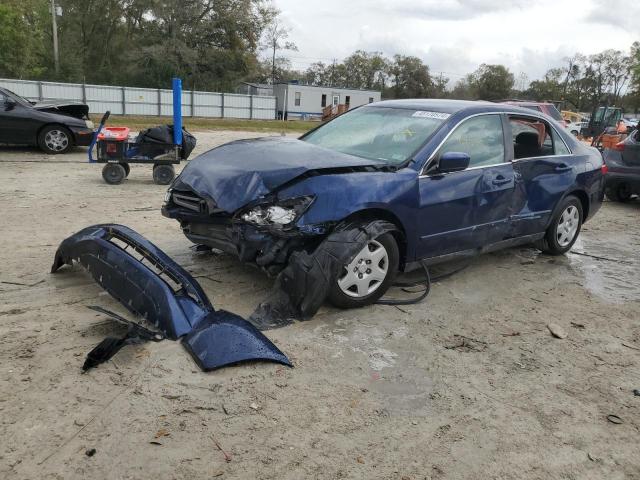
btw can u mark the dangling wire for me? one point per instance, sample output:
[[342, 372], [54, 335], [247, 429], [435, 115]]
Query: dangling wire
[[423, 282]]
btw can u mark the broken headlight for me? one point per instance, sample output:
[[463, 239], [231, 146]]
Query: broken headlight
[[282, 213]]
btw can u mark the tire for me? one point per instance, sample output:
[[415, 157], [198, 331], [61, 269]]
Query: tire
[[163, 174], [113, 173], [344, 295], [127, 169], [619, 193], [564, 229], [55, 139]]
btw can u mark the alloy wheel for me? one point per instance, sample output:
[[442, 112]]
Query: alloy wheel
[[568, 224], [56, 140]]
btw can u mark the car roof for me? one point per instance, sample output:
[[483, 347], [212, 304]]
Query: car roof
[[452, 106]]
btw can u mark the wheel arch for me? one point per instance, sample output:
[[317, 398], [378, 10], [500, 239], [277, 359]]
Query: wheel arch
[[584, 200], [400, 234]]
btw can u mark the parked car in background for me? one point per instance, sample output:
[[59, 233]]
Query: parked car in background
[[576, 127], [55, 127], [454, 178], [622, 180], [544, 107], [631, 123]]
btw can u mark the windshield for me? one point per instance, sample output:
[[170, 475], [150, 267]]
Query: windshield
[[392, 135], [17, 98]]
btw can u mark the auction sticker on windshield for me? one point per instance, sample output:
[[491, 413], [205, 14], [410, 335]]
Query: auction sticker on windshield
[[425, 114]]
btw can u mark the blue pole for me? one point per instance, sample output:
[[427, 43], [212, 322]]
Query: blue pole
[[177, 111]]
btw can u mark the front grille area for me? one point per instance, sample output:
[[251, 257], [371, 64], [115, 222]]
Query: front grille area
[[189, 201]]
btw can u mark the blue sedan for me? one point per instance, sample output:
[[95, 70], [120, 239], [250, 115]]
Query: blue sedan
[[441, 179]]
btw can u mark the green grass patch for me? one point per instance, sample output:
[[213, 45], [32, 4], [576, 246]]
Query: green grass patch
[[141, 122]]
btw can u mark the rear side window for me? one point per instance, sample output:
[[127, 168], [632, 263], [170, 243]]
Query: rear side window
[[535, 138], [558, 143], [554, 113], [481, 138]]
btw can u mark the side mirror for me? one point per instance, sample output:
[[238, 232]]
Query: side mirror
[[453, 162], [9, 104]]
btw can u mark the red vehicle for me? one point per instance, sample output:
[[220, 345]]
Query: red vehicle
[[544, 107]]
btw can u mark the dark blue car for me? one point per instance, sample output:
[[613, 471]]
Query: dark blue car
[[454, 178]]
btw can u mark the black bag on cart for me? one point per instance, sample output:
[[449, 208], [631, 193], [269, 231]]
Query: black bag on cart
[[156, 141]]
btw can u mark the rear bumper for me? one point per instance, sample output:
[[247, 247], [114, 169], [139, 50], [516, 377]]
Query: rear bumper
[[615, 178]]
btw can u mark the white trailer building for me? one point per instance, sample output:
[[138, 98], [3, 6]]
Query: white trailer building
[[306, 102]]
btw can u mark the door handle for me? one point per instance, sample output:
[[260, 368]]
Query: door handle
[[563, 167], [501, 180]]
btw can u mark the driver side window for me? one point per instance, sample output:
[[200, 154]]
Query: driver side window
[[479, 137]]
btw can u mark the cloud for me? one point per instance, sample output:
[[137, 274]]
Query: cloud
[[617, 13], [456, 10]]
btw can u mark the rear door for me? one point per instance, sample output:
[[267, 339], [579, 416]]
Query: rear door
[[467, 209], [631, 152], [544, 169], [4, 119]]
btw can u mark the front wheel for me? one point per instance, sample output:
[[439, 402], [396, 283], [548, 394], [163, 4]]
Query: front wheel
[[368, 276], [55, 139], [564, 229]]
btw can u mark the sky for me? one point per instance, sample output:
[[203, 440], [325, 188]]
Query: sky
[[456, 36]]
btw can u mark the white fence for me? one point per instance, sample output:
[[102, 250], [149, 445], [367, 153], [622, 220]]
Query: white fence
[[147, 101]]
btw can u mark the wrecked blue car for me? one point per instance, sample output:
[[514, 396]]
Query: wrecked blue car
[[388, 187]]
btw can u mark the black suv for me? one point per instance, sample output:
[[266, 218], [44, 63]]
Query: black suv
[[622, 180]]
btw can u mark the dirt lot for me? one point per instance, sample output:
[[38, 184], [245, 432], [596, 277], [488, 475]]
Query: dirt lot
[[467, 385]]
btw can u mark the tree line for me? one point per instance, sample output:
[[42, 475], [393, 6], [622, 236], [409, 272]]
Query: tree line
[[215, 44]]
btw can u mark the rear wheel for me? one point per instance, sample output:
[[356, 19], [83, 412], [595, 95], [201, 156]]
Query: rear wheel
[[55, 139], [113, 173], [127, 169], [163, 174], [619, 193], [368, 276], [564, 229]]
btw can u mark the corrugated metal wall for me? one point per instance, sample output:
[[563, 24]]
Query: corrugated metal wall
[[147, 101]]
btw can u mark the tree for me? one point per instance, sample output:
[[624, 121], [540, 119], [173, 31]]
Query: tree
[[491, 82], [276, 36], [22, 40], [366, 70], [410, 78]]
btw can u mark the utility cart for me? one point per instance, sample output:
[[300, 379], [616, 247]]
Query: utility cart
[[160, 146]]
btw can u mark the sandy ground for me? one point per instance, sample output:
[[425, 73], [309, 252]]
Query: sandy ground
[[467, 385]]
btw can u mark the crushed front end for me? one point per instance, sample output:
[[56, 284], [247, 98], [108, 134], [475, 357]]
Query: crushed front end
[[264, 232]]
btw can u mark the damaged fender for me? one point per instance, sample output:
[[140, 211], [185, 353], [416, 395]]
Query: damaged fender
[[147, 282], [304, 284]]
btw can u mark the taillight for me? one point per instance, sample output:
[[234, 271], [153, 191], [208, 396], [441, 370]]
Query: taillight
[[619, 147], [604, 169]]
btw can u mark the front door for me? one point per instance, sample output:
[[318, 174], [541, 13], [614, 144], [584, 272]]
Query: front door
[[336, 100], [471, 208]]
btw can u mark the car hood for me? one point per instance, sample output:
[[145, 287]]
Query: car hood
[[240, 172], [70, 109]]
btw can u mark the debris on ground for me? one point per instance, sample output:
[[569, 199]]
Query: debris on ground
[[557, 331], [614, 419], [227, 456]]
